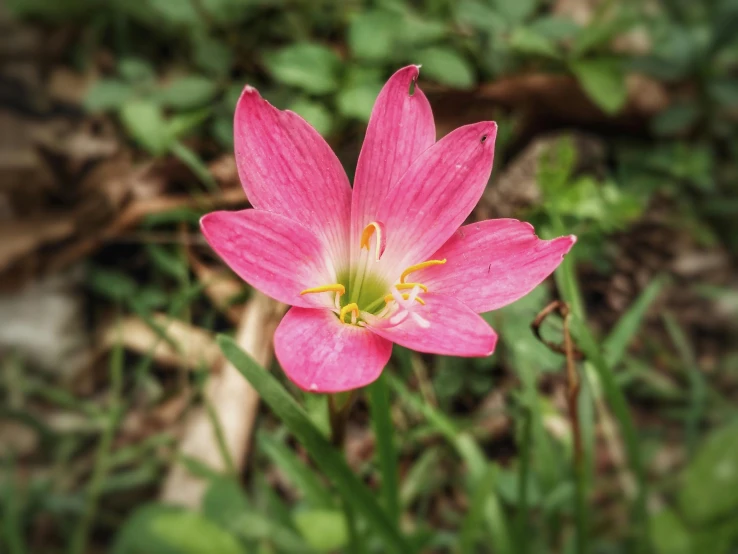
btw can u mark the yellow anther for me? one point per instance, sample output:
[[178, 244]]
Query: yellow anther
[[410, 286], [366, 235], [339, 288], [349, 308], [405, 295], [418, 267]]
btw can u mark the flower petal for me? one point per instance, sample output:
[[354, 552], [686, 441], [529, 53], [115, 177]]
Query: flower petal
[[320, 354], [287, 168], [271, 253], [445, 326], [437, 193], [493, 263], [400, 128]]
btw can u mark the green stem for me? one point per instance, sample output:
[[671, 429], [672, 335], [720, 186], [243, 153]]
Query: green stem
[[379, 400]]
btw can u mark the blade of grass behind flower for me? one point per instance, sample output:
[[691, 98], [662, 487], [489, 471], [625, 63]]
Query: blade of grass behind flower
[[470, 526], [326, 457]]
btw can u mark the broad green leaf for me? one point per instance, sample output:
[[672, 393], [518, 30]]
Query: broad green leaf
[[724, 91], [177, 12], [710, 489], [323, 530], [326, 457], [599, 33], [357, 101], [314, 113], [604, 82], [169, 530], [629, 324], [669, 535], [528, 41], [417, 31], [191, 91], [515, 11], [555, 28], [212, 56], [677, 118], [145, 122], [371, 34], [479, 15], [136, 69], [446, 66], [108, 94], [313, 68]]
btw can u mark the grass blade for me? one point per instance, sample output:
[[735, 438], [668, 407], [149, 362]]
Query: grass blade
[[387, 453], [301, 475], [473, 456], [471, 523], [330, 461], [615, 345]]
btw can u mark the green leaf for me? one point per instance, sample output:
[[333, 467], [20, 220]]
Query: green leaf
[[191, 91], [603, 81], [313, 68], [177, 12], [323, 530], [212, 56], [371, 34], [625, 330], [599, 33], [675, 119], [170, 530], [136, 69], [357, 101], [326, 457], [108, 94], [515, 11], [446, 66], [528, 41], [710, 489], [470, 528], [145, 123], [669, 535], [314, 113], [480, 16]]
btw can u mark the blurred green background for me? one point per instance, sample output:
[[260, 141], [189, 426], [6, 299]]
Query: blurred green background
[[617, 123]]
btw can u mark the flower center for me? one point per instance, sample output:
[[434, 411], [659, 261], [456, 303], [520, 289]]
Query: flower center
[[360, 291]]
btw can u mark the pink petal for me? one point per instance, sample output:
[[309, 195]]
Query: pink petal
[[437, 193], [320, 354], [400, 128], [287, 168], [273, 254], [494, 262], [445, 326]]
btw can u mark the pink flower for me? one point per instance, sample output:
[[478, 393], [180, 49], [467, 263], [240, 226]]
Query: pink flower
[[387, 262]]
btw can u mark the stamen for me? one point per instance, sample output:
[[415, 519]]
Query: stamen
[[410, 286], [418, 267], [339, 288], [366, 235], [353, 308], [406, 296]]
